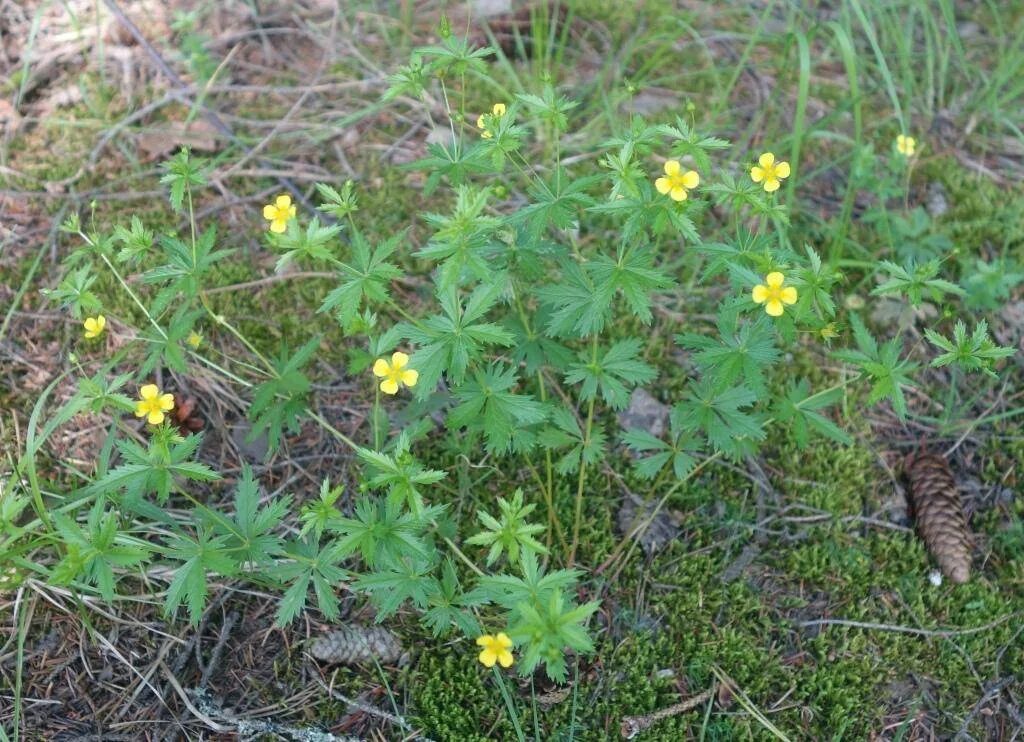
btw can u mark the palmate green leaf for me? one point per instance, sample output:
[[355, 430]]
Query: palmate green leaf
[[75, 292], [612, 373], [402, 475], [308, 564], [547, 629], [686, 142], [566, 433], [279, 403], [508, 532], [649, 210], [882, 365], [93, 553], [251, 530], [454, 57], [556, 203], [717, 414], [799, 409], [453, 160], [313, 243], [633, 275], [452, 340], [388, 588], [534, 587], [974, 352], [383, 532], [167, 348], [183, 174], [450, 606], [915, 282], [487, 405], [577, 306], [679, 451], [736, 354], [199, 555], [463, 242], [366, 278], [816, 282], [410, 79], [318, 514], [153, 470], [534, 350]]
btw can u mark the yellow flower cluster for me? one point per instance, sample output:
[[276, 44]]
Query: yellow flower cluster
[[152, 404], [486, 120], [495, 649], [279, 213], [395, 373]]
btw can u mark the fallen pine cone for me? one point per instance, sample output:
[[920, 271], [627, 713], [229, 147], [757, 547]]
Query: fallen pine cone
[[350, 645], [940, 519]]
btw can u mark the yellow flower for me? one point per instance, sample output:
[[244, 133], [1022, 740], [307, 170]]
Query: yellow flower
[[194, 339], [152, 404], [395, 373], [495, 649], [94, 326], [774, 295], [279, 213], [769, 172], [905, 145], [676, 182], [482, 121]]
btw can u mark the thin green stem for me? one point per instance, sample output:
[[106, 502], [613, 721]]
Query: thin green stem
[[578, 509], [513, 715]]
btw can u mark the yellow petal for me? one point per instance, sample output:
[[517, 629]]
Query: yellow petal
[[155, 417], [663, 185], [389, 386], [380, 368], [771, 185], [503, 640], [756, 174], [691, 179], [788, 295], [774, 308], [399, 360], [782, 170], [759, 294], [499, 109], [167, 402], [488, 658], [141, 409], [480, 123], [766, 160], [283, 202], [487, 135], [484, 641], [410, 377], [270, 211], [678, 193], [278, 226], [774, 279], [671, 167], [149, 391], [505, 659], [101, 321]]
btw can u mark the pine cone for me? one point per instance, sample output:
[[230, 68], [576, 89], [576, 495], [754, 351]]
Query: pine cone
[[939, 515], [353, 644]]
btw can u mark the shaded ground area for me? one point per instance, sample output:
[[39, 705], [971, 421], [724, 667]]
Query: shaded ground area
[[790, 585]]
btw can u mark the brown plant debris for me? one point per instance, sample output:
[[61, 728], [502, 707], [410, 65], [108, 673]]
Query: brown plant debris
[[939, 514], [352, 644]]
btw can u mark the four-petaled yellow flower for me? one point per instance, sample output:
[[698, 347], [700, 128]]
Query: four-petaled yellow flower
[[769, 172], [94, 326], [676, 182], [279, 213], [395, 373], [483, 120], [773, 294], [194, 340], [905, 145], [152, 404], [495, 649]]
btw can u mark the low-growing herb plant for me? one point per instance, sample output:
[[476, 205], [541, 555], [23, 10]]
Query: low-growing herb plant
[[547, 275]]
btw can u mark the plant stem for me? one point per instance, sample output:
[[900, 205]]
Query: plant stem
[[578, 509], [512, 714]]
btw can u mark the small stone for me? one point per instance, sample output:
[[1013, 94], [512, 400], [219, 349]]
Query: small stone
[[254, 449], [660, 531], [645, 413], [937, 200], [935, 577]]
